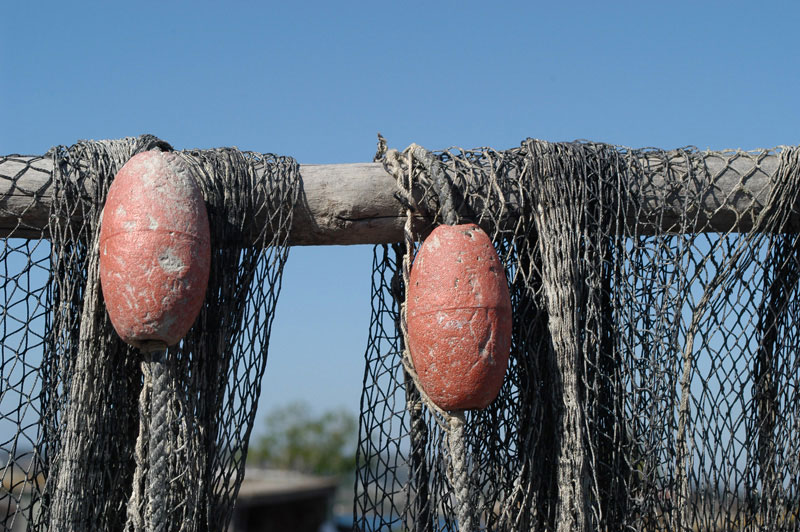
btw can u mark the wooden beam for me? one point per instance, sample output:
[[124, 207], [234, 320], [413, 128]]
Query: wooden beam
[[345, 204], [340, 203]]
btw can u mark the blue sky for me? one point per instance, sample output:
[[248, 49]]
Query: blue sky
[[318, 80]]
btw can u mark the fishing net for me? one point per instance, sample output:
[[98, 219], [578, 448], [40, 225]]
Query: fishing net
[[74, 399], [653, 382]]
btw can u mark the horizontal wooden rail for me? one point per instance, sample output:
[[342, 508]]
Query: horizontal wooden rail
[[355, 204], [340, 203]]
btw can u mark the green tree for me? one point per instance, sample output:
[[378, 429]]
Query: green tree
[[296, 439]]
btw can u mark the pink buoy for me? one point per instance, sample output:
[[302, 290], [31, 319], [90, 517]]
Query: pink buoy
[[459, 318], [155, 250]]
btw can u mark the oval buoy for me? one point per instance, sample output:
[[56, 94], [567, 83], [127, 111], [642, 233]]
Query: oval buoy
[[155, 250], [459, 318]]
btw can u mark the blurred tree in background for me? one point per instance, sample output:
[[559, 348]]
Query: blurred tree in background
[[298, 440]]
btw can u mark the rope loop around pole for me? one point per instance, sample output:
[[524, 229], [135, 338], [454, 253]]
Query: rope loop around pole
[[441, 184], [453, 423], [401, 166]]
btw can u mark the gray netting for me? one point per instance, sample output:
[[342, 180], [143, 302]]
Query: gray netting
[[654, 380], [71, 452]]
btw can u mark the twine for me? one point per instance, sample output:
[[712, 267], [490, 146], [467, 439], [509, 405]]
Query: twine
[[452, 422]]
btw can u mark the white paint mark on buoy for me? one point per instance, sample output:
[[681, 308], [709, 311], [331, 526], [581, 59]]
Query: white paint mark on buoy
[[170, 262]]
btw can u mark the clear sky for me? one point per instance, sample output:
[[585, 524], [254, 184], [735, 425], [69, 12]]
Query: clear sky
[[318, 80]]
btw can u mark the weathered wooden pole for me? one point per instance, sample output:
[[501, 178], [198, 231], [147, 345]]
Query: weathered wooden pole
[[355, 203]]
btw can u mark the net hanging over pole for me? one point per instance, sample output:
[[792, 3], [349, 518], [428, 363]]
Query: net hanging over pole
[[653, 380], [75, 386]]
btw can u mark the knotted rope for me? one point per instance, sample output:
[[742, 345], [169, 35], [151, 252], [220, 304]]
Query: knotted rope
[[452, 422]]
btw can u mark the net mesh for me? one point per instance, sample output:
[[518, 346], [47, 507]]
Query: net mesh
[[72, 394], [653, 379]]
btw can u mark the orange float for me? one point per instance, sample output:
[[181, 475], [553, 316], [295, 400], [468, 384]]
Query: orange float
[[459, 318], [155, 250]]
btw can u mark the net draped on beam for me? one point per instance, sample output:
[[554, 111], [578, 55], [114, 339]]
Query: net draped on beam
[[654, 382], [70, 386]]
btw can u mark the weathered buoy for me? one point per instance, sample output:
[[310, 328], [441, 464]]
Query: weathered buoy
[[155, 250], [459, 318]]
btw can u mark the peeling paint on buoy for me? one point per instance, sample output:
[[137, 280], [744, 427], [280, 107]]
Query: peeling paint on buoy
[[459, 318], [155, 249]]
